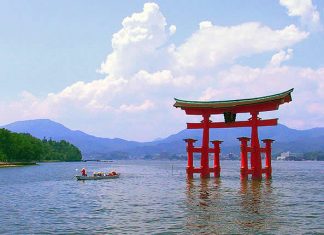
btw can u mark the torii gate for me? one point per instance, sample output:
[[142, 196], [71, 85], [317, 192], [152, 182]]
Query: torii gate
[[230, 108]]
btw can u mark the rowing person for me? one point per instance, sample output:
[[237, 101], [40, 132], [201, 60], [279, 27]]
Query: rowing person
[[83, 172]]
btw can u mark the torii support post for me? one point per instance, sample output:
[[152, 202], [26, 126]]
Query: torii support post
[[216, 149], [244, 158], [190, 148], [268, 168]]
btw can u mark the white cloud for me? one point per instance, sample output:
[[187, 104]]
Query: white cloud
[[143, 109], [246, 82], [305, 9], [280, 57], [142, 44], [144, 73], [146, 105], [212, 45], [138, 43], [172, 29], [205, 25]]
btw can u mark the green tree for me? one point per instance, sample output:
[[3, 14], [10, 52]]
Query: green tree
[[25, 148]]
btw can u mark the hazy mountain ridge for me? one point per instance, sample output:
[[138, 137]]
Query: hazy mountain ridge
[[286, 139], [88, 144]]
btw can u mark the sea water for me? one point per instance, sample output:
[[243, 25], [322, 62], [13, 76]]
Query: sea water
[[155, 197]]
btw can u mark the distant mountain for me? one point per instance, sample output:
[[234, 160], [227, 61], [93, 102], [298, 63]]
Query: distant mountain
[[286, 139], [88, 144]]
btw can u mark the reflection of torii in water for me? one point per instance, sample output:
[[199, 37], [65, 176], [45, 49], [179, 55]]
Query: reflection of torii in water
[[230, 109], [214, 207], [257, 205]]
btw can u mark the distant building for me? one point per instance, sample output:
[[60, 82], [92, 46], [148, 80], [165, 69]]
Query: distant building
[[230, 156], [289, 156]]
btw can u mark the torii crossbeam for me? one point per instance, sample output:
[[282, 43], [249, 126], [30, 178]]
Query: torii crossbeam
[[230, 108]]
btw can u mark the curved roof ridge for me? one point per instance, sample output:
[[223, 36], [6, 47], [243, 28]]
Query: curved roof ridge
[[284, 96], [247, 99]]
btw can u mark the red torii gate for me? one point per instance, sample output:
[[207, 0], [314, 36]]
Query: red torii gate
[[230, 108]]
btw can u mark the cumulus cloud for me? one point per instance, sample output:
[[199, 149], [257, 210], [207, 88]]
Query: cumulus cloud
[[150, 110], [305, 9], [138, 43], [146, 105], [280, 57], [205, 25], [144, 72], [142, 44], [244, 82], [172, 29], [213, 45]]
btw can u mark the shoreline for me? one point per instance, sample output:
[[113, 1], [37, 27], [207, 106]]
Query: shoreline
[[20, 164], [16, 164]]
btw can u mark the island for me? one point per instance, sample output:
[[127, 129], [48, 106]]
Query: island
[[23, 149]]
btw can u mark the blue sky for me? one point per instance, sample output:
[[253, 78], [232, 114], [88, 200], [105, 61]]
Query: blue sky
[[98, 67]]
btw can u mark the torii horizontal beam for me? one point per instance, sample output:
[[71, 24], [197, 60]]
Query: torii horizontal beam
[[267, 122]]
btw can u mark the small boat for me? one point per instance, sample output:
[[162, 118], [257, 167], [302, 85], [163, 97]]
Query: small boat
[[97, 177]]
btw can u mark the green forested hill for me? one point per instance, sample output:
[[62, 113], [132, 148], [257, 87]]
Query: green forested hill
[[16, 147]]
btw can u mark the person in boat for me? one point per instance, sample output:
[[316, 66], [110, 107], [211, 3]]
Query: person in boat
[[83, 172], [113, 173], [98, 173]]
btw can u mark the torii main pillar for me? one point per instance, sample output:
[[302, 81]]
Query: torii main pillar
[[204, 160], [230, 109], [256, 163]]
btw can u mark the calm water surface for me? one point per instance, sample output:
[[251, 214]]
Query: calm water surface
[[154, 197]]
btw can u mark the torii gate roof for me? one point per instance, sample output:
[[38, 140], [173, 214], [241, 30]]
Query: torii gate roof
[[265, 103]]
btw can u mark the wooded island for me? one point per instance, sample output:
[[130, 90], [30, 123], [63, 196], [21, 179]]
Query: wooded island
[[15, 147]]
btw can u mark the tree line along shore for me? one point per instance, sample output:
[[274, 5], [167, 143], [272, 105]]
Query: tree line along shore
[[23, 149]]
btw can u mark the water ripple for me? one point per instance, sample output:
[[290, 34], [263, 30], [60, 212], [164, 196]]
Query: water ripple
[[154, 197]]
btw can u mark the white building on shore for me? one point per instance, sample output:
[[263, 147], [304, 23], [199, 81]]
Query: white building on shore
[[289, 156]]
